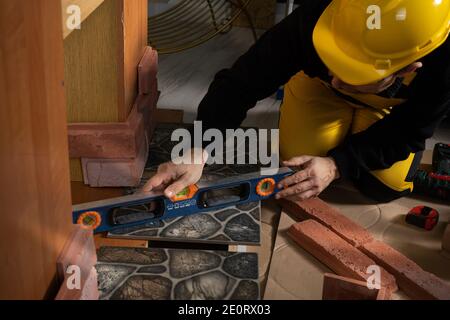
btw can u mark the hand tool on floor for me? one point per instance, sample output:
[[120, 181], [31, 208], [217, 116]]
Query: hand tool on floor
[[423, 217], [441, 159], [138, 209], [437, 182]]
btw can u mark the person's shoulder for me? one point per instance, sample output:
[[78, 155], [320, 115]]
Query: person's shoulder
[[445, 47], [440, 54], [317, 6], [308, 13], [440, 62]]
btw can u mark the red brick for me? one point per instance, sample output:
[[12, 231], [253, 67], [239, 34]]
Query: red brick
[[66, 294], [79, 250], [330, 217], [102, 140], [384, 294], [342, 288], [88, 290], [411, 278], [119, 172], [336, 253], [120, 140], [147, 70]]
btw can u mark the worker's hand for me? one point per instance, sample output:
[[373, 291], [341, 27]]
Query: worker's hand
[[314, 174], [174, 176]]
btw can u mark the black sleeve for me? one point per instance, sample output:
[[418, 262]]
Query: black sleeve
[[406, 128], [279, 54]]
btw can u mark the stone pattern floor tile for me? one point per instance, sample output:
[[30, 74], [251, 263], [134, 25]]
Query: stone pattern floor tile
[[163, 274], [161, 148], [233, 225]]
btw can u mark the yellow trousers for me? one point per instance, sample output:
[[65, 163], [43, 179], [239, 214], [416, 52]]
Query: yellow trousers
[[315, 120]]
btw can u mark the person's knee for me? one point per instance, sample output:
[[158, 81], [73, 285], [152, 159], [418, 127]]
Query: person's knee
[[377, 190], [390, 184]]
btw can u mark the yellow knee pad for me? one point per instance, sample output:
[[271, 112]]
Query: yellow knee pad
[[395, 177]]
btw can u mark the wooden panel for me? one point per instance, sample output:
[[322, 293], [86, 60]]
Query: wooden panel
[[82, 193], [101, 240], [76, 170], [93, 66], [86, 7], [35, 190], [135, 41], [169, 116], [102, 59]]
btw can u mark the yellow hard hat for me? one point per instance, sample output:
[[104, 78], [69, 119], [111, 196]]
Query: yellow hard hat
[[364, 41]]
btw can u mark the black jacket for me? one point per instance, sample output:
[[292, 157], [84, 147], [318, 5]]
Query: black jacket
[[287, 49]]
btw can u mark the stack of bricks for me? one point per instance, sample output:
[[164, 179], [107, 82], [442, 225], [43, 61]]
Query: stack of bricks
[[76, 267], [114, 154], [349, 250]]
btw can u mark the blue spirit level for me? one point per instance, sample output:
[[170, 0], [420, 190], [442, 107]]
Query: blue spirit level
[[138, 209]]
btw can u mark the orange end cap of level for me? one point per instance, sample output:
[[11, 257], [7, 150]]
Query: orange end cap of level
[[90, 220], [187, 193], [265, 187]]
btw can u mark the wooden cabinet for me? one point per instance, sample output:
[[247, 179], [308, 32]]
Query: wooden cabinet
[[35, 204], [89, 79]]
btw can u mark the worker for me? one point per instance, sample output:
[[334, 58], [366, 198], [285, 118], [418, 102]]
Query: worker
[[365, 86]]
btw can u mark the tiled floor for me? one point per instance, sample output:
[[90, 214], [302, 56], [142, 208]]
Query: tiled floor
[[236, 225], [161, 147], [162, 274]]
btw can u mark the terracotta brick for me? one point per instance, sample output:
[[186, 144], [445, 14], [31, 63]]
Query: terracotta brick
[[342, 288], [336, 253], [115, 172], [147, 106], [446, 239], [330, 217], [411, 278], [88, 290], [102, 140], [79, 250], [66, 294], [119, 168], [384, 294], [114, 140], [147, 71]]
